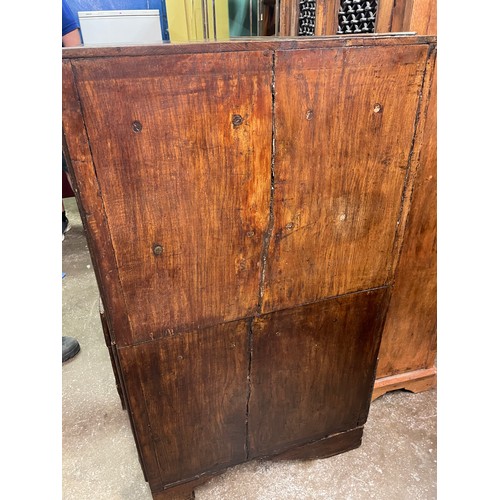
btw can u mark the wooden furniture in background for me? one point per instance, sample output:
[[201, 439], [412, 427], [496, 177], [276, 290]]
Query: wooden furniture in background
[[245, 224], [418, 16]]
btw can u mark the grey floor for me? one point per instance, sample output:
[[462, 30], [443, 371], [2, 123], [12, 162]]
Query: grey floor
[[396, 461]]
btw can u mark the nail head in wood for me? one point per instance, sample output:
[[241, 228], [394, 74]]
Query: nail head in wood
[[237, 120]]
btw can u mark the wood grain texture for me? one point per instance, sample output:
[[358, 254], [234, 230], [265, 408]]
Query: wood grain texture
[[288, 16], [398, 15], [327, 17], [384, 16], [413, 381], [338, 190], [245, 205], [188, 181], [312, 370], [409, 340], [256, 44], [88, 196], [323, 448], [112, 356], [191, 390], [421, 17]]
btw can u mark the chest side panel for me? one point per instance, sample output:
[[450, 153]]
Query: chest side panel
[[181, 147]]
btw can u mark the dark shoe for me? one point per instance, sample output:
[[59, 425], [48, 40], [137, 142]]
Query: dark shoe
[[70, 348], [65, 225]]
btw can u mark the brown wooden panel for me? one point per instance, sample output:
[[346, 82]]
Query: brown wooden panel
[[78, 156], [190, 395], [255, 44], [327, 17], [421, 17], [312, 370], [384, 16], [288, 15], [181, 147], [398, 15], [409, 339], [338, 190], [323, 448]]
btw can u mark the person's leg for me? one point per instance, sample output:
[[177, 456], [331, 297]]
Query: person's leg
[[65, 222], [70, 346]]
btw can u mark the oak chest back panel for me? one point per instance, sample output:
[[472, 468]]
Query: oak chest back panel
[[245, 206]]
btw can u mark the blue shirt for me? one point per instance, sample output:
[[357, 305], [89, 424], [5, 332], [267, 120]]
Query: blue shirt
[[69, 20]]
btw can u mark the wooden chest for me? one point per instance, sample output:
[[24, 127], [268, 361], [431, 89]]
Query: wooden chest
[[245, 206]]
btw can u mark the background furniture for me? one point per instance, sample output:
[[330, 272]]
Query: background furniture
[[245, 224]]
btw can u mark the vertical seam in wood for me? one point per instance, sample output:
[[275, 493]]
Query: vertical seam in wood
[[392, 14], [152, 441], [127, 408], [410, 172], [105, 215], [267, 235], [249, 384]]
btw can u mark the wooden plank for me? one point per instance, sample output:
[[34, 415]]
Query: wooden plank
[[312, 370], [338, 190], [409, 340], [191, 390], [288, 16], [413, 381], [421, 17], [398, 15], [256, 44], [384, 16], [90, 204], [112, 356], [183, 168], [327, 17], [323, 448]]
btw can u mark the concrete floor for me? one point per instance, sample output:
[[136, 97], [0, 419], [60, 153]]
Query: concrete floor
[[396, 461]]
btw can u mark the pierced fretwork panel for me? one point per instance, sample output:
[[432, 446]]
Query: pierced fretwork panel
[[357, 16], [307, 17]]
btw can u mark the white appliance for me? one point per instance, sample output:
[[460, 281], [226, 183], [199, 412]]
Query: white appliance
[[111, 27]]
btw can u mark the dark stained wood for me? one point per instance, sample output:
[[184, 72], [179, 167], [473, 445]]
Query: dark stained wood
[[409, 339], [231, 192], [312, 370], [203, 198], [323, 448], [112, 356], [339, 188], [192, 389]]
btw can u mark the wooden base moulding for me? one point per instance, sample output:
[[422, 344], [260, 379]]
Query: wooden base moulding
[[414, 381]]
